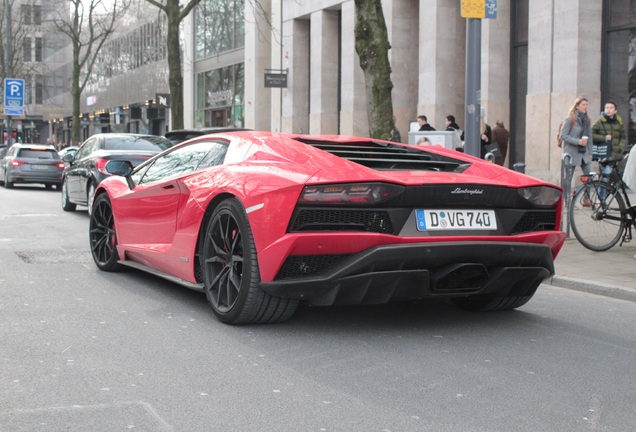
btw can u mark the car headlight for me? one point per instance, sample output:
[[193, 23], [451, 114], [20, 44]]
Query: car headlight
[[541, 195], [349, 193]]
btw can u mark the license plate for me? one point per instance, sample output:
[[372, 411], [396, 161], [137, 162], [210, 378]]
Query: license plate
[[455, 220], [39, 167]]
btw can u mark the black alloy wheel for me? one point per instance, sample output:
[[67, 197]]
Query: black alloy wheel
[[230, 271], [103, 237]]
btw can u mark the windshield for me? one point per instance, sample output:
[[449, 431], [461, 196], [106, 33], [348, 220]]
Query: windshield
[[37, 154]]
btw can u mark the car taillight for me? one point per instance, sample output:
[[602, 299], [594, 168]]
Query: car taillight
[[60, 165], [541, 195], [100, 165], [349, 193], [15, 163]]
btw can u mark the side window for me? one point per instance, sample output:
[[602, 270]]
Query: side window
[[86, 149], [179, 161], [215, 156]]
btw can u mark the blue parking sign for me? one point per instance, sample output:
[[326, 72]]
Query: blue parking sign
[[13, 93]]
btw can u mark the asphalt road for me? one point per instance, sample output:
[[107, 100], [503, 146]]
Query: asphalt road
[[84, 350]]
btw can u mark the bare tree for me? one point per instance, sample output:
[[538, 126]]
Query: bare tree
[[372, 46], [18, 66], [89, 25], [175, 14]]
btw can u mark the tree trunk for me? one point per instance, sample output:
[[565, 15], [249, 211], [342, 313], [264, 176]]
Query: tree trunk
[[372, 46], [175, 79]]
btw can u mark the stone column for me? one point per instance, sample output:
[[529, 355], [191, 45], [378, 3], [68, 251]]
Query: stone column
[[495, 71], [353, 110], [555, 81], [442, 61], [296, 58], [323, 93], [257, 58], [402, 24]]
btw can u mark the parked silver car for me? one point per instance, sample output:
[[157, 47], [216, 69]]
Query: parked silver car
[[31, 163]]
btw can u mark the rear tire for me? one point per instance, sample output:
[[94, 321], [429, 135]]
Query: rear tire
[[230, 271], [600, 225], [90, 197], [103, 237]]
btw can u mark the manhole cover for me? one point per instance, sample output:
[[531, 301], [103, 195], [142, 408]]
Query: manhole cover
[[55, 257]]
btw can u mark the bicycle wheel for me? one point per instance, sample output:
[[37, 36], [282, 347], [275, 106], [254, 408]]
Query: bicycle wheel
[[598, 223]]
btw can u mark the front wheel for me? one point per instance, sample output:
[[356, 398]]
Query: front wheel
[[103, 237], [230, 271], [7, 183], [67, 205], [597, 215]]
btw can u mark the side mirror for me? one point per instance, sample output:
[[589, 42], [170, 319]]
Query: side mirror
[[68, 157], [119, 167]]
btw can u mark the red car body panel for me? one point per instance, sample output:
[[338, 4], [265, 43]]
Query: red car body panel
[[159, 224]]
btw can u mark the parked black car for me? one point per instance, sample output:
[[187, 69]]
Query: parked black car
[[31, 163], [180, 135], [85, 169]]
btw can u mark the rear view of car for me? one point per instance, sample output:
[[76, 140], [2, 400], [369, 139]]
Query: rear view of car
[[31, 163]]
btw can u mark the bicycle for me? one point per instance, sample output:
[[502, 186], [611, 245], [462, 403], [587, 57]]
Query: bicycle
[[600, 212]]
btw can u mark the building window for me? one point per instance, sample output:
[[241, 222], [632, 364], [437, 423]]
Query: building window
[[220, 97], [28, 94], [39, 89], [37, 14], [219, 27], [619, 64], [38, 49], [25, 11], [26, 44]]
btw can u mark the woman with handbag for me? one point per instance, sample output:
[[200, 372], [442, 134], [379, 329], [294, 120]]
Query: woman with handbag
[[576, 133]]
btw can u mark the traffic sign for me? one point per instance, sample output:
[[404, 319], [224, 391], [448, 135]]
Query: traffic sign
[[14, 111], [479, 9], [13, 94]]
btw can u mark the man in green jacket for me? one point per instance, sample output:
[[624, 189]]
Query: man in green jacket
[[609, 127]]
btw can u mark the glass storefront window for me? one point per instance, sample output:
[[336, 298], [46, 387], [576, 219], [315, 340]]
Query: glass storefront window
[[220, 97], [219, 27]]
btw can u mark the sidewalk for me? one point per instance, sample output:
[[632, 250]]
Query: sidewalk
[[611, 273]]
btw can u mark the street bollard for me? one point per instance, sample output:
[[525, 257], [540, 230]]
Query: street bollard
[[520, 167], [567, 172]]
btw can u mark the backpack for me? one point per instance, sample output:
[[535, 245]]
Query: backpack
[[558, 137]]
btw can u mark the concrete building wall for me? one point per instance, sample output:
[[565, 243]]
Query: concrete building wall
[[258, 41]]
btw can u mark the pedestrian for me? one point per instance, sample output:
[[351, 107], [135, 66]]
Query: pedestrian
[[396, 136], [500, 136], [452, 126], [609, 129], [576, 133], [486, 140], [423, 122]]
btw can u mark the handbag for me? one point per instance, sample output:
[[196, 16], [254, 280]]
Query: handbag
[[492, 148], [601, 150]]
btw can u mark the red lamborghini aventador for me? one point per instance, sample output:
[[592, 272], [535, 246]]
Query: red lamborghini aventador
[[261, 221]]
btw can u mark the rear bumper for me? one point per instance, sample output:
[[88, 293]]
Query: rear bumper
[[35, 177], [416, 271]]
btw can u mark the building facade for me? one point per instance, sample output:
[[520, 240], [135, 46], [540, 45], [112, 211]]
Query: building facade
[[536, 58]]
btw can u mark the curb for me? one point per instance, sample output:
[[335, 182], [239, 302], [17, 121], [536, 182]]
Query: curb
[[616, 292]]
